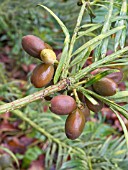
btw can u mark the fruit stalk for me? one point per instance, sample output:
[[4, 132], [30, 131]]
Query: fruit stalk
[[33, 97], [77, 98]]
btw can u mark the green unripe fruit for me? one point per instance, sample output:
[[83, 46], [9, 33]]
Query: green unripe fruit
[[95, 108], [74, 124], [48, 56], [62, 104], [34, 45], [42, 75], [105, 87]]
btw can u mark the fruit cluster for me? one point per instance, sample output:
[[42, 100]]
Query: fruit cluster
[[75, 122], [65, 104], [37, 48], [106, 86]]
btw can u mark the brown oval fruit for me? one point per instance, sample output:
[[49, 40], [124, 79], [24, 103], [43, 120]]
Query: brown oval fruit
[[81, 96], [59, 56], [105, 87], [34, 45], [86, 112], [116, 77], [74, 124], [42, 75], [95, 108], [62, 104], [106, 112]]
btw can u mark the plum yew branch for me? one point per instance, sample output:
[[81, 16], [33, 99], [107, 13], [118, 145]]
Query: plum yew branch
[[33, 97]]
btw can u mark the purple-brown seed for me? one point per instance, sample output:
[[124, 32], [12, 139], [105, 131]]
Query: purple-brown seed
[[95, 108], [74, 124], [105, 87], [42, 75], [33, 45], [62, 104]]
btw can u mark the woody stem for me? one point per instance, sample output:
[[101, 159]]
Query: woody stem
[[33, 97]]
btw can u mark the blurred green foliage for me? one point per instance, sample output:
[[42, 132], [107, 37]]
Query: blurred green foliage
[[99, 147], [19, 18]]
